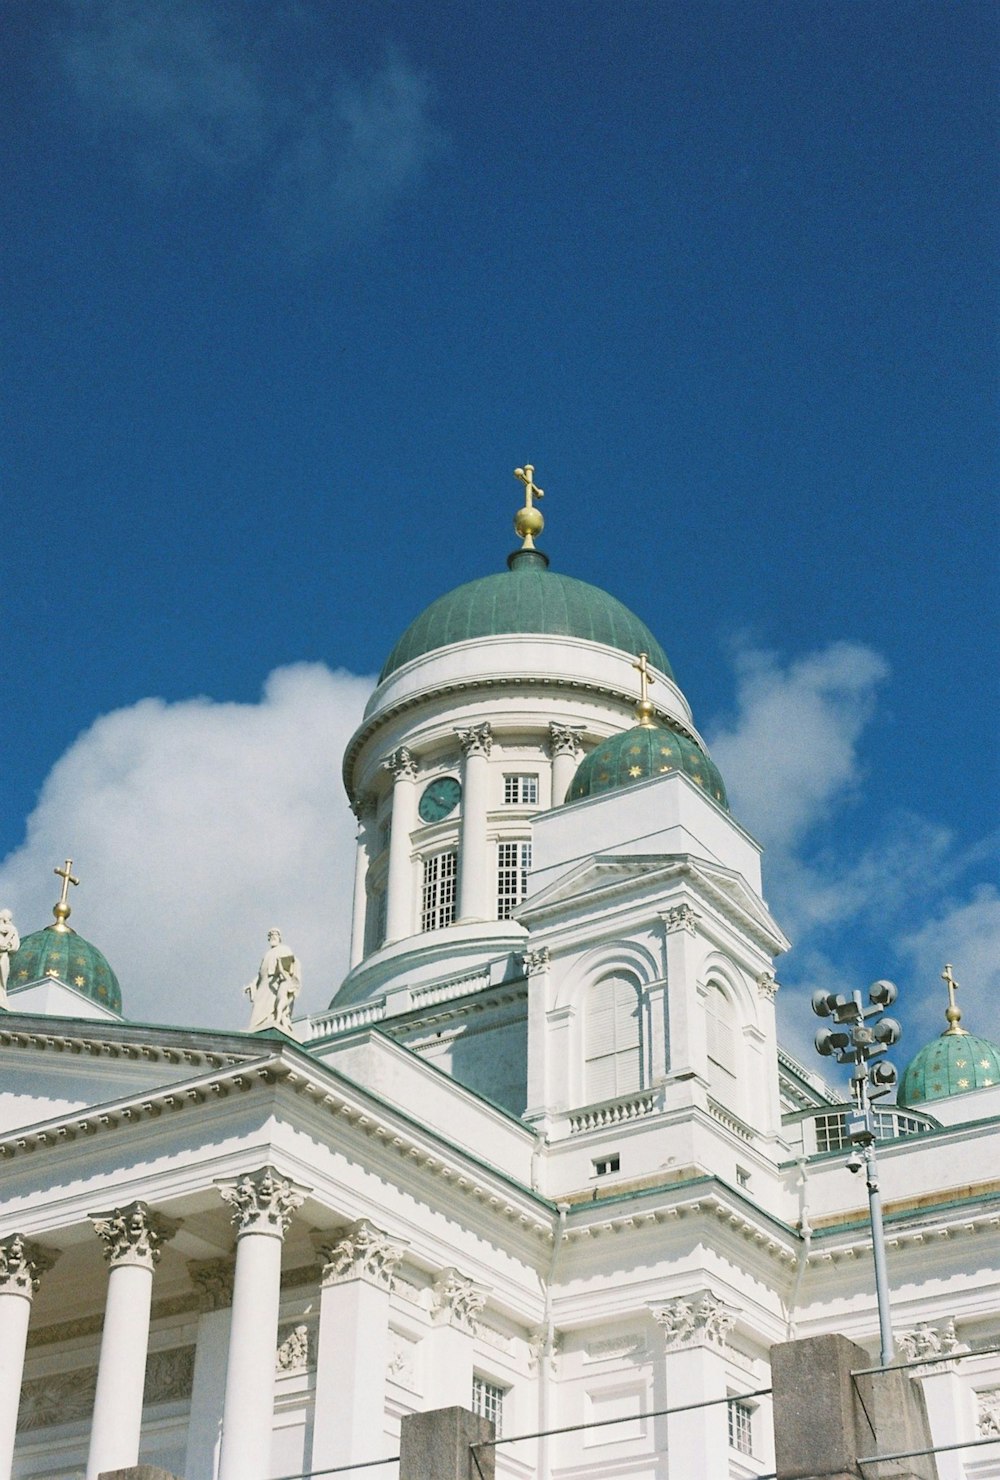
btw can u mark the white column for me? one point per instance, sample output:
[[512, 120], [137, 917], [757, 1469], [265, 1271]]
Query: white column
[[457, 1303], [365, 813], [476, 879], [767, 990], [399, 903], [262, 1204], [132, 1238], [353, 1347], [695, 1329], [22, 1265], [536, 969], [686, 1048], [656, 1019], [213, 1280], [566, 752]]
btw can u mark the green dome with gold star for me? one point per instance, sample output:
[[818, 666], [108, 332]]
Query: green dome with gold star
[[953, 1064], [646, 751], [60, 953]]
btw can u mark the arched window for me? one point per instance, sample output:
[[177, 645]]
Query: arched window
[[612, 1037], [720, 1035]]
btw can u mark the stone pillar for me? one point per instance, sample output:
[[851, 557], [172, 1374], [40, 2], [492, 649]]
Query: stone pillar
[[364, 811], [133, 1237], [262, 1204], [476, 879], [566, 752], [687, 1053], [767, 990], [353, 1347], [695, 1329], [536, 968], [399, 902], [655, 1067], [22, 1265], [438, 1446], [456, 1307], [213, 1280]]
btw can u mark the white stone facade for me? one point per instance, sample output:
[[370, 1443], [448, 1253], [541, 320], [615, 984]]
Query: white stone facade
[[551, 1154]]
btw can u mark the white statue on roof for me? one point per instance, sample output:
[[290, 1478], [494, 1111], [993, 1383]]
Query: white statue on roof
[[278, 983], [10, 942]]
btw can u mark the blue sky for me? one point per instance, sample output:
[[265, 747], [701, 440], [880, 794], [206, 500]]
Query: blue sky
[[289, 290]]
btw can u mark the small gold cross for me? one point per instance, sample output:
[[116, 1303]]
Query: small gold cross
[[645, 677], [953, 1012], [62, 910], [531, 488]]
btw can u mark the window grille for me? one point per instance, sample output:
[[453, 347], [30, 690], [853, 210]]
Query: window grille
[[513, 863], [740, 1425], [520, 791], [830, 1132], [437, 905], [487, 1401]]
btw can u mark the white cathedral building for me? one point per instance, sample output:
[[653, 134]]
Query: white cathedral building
[[542, 1155]]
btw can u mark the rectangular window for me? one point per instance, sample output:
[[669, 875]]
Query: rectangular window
[[513, 863], [605, 1165], [437, 904], [830, 1135], [740, 1425], [742, 1177], [520, 791], [487, 1401]]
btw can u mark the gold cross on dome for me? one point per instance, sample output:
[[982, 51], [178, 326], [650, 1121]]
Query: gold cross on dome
[[641, 665], [66, 874], [953, 1012], [531, 488]]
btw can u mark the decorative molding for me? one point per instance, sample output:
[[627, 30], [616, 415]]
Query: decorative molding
[[988, 1413], [608, 1348], [767, 986], [682, 917], [213, 1280], [402, 1365], [362, 1252], [294, 1353], [476, 740], [133, 1235], [490, 1336], [402, 763], [22, 1264], [565, 740], [68, 1397], [696, 1320], [457, 1301], [930, 1341], [535, 961], [262, 1202], [537, 1342]]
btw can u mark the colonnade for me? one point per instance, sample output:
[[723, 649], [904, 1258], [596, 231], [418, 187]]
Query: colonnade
[[476, 877], [238, 1335]]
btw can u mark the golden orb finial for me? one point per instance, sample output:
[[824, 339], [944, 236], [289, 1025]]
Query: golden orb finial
[[644, 710], [528, 521], [62, 910], [952, 1012]]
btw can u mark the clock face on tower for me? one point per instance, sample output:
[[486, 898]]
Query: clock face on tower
[[440, 796]]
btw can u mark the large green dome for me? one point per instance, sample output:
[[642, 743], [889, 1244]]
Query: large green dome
[[641, 753], [951, 1065], [526, 598], [57, 951]]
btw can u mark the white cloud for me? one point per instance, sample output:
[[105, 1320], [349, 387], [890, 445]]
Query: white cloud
[[966, 933], [194, 827], [322, 156], [791, 754]]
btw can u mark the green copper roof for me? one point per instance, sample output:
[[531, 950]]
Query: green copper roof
[[638, 754], [64, 954], [526, 598], [951, 1065]]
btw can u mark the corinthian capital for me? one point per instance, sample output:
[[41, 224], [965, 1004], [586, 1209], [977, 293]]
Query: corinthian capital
[[682, 917], [402, 763], [22, 1265], [361, 1252], [457, 1301], [262, 1202], [133, 1234], [477, 739], [767, 986], [565, 740], [694, 1321], [536, 960]]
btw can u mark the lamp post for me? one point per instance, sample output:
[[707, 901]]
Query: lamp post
[[861, 1036]]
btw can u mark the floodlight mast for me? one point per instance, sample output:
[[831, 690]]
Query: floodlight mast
[[855, 1042]]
